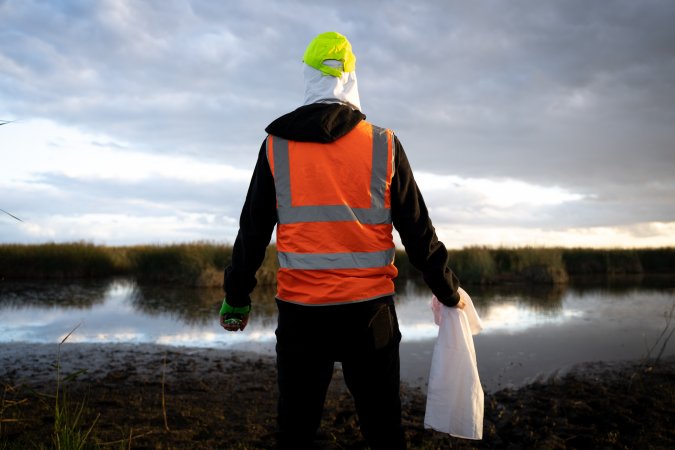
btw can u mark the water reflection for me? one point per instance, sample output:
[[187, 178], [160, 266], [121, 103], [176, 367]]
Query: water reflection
[[56, 294], [544, 299], [193, 306], [511, 308], [623, 283], [537, 297], [123, 310], [517, 308], [528, 329], [190, 306]]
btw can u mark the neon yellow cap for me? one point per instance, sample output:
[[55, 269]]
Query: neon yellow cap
[[330, 45]]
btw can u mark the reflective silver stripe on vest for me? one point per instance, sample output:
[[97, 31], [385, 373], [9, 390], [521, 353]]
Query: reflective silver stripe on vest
[[323, 261], [378, 177], [334, 213], [282, 172], [376, 214]]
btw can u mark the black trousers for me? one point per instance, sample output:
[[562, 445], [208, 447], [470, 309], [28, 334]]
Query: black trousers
[[365, 338]]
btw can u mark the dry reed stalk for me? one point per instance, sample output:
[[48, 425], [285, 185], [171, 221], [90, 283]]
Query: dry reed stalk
[[6, 404], [128, 440], [166, 422]]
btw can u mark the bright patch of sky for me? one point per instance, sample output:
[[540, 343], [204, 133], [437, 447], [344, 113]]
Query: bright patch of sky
[[500, 193], [43, 147]]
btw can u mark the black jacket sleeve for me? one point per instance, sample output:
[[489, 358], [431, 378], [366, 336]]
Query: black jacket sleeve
[[256, 224], [411, 220]]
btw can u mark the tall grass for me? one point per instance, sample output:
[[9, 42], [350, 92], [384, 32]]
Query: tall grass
[[71, 260], [195, 264], [657, 260], [69, 431], [537, 265], [202, 263], [544, 265], [198, 264], [584, 261], [473, 264], [484, 265]]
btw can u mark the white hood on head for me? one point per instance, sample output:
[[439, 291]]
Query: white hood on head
[[322, 88]]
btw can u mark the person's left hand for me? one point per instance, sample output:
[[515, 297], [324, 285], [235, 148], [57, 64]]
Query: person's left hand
[[461, 303], [462, 298]]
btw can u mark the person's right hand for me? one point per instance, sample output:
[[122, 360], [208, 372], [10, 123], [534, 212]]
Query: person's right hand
[[234, 318], [233, 321]]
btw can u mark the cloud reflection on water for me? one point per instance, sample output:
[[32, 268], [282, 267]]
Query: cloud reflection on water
[[124, 311], [528, 331]]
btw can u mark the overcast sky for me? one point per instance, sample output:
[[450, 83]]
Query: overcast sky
[[526, 122]]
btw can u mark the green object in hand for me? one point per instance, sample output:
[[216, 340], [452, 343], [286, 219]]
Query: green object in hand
[[227, 309], [234, 315]]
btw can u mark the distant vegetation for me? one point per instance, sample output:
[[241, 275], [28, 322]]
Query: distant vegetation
[[197, 264], [201, 263]]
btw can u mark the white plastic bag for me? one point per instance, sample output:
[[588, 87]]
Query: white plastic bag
[[455, 396]]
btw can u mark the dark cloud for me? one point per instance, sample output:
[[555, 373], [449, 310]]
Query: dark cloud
[[583, 94], [577, 95]]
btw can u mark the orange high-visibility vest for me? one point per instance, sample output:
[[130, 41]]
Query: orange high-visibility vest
[[334, 230]]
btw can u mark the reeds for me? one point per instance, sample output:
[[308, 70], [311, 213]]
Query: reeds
[[71, 260], [188, 264], [544, 265], [473, 264], [585, 261], [485, 265], [202, 263], [195, 264]]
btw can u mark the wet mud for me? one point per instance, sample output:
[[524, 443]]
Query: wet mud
[[151, 397]]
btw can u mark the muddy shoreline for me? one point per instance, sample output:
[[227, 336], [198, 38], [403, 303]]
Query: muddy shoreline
[[154, 397]]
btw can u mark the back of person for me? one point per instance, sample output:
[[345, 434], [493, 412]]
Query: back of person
[[334, 185], [334, 236]]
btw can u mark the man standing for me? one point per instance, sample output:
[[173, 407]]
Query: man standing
[[334, 185]]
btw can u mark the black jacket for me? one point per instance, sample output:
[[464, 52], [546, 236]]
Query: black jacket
[[321, 122]]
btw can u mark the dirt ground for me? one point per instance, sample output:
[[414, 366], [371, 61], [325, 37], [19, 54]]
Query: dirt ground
[[151, 397]]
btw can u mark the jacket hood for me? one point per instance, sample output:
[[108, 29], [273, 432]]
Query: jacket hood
[[322, 88], [317, 122]]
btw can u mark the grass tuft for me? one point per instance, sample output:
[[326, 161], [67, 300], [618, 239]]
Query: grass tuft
[[69, 432]]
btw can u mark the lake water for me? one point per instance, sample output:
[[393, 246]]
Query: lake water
[[530, 332]]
